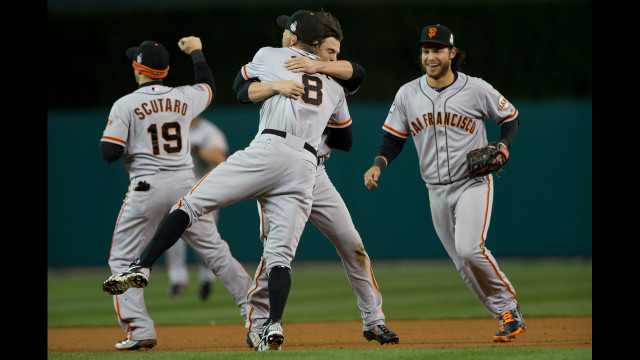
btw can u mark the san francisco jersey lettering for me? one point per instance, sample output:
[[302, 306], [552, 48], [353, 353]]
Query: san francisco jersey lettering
[[446, 126]]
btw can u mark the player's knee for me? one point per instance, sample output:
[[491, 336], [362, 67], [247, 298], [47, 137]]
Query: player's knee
[[346, 241], [468, 255], [188, 209]]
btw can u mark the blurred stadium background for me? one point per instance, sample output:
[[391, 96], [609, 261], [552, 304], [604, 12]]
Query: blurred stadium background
[[536, 53]]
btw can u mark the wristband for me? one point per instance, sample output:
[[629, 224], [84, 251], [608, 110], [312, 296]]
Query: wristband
[[380, 162]]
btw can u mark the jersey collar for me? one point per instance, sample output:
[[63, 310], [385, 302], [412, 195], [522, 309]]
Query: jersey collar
[[455, 77], [149, 83], [304, 53]]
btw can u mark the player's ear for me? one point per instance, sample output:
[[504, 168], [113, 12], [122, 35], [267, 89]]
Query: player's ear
[[294, 40], [453, 52]]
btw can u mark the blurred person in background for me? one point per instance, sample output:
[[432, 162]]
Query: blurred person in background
[[208, 149]]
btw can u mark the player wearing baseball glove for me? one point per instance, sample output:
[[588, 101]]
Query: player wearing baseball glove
[[486, 160]]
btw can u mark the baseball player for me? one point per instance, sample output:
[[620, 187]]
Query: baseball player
[[444, 112], [277, 169], [329, 213], [208, 149], [149, 129]]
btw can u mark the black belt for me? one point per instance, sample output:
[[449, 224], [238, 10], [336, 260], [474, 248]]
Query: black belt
[[284, 135]]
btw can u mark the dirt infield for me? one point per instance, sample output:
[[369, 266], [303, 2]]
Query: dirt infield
[[573, 332]]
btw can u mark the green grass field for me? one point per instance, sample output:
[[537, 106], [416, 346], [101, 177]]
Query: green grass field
[[350, 354], [416, 289]]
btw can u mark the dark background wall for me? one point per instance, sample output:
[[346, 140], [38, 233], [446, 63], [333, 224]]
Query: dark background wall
[[526, 49], [536, 53]]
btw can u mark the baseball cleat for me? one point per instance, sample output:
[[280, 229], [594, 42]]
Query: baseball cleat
[[381, 334], [206, 288], [511, 324], [135, 276], [272, 337], [254, 340], [127, 344], [176, 290]]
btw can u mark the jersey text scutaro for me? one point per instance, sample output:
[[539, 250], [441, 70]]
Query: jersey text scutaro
[[161, 105]]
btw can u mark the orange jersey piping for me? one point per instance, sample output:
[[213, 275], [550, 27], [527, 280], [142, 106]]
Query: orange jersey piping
[[390, 129]]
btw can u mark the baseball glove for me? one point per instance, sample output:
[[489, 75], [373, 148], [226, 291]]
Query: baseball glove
[[483, 161]]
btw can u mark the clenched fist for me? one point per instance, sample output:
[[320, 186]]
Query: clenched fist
[[189, 44]]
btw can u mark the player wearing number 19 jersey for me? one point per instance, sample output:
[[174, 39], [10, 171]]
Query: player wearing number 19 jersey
[[149, 128]]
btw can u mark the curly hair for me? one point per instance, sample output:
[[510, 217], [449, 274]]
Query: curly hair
[[332, 26], [458, 60]]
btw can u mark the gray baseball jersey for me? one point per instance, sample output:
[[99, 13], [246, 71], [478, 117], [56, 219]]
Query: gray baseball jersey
[[153, 125], [323, 97], [156, 119], [446, 126]]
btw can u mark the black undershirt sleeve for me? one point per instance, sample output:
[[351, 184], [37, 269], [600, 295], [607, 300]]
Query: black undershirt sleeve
[[241, 88], [341, 138], [508, 132], [110, 152], [203, 71], [391, 147], [353, 84]]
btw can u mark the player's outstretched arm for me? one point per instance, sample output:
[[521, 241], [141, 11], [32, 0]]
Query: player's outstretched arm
[[349, 74], [192, 45], [254, 91], [341, 69], [260, 91]]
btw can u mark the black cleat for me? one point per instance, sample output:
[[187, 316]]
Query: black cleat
[[381, 334], [206, 289]]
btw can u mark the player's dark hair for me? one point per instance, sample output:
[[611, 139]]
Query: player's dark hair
[[458, 60], [332, 26]]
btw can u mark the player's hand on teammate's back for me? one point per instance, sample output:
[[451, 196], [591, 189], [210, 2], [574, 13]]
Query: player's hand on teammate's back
[[371, 177], [303, 64], [189, 44], [289, 88]]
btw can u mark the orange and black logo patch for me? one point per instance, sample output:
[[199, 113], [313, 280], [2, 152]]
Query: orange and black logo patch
[[432, 32]]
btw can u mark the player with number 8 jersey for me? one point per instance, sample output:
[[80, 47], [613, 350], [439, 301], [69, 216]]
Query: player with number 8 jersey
[[319, 90]]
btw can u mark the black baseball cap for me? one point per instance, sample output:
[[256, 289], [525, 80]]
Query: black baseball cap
[[307, 26], [438, 34], [152, 56]]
